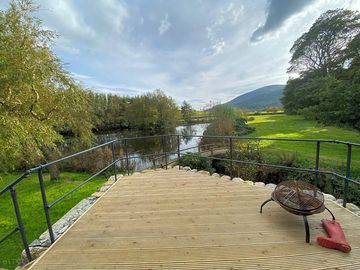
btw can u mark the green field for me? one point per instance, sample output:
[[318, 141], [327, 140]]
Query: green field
[[332, 156], [30, 202]]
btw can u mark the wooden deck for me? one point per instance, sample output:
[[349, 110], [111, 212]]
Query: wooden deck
[[184, 220]]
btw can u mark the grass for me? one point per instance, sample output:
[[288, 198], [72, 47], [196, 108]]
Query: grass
[[332, 156], [30, 202]]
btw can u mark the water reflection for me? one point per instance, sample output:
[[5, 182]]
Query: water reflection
[[138, 147]]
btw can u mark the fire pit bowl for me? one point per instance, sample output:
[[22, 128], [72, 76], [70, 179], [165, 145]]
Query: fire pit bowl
[[299, 198]]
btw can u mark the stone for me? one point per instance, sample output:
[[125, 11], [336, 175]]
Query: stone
[[64, 223], [35, 253], [44, 239], [249, 182], [91, 199], [109, 183], [104, 188], [352, 207], [215, 175], [34, 243], [136, 173], [194, 170], [238, 180], [24, 267], [147, 170], [270, 186], [259, 184], [112, 178], [204, 172], [339, 201], [97, 194], [186, 168], [225, 177], [329, 197], [176, 167]]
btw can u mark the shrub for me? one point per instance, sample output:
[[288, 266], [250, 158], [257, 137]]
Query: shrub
[[91, 162], [195, 161]]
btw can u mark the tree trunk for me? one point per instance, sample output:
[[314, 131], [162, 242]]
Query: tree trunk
[[49, 155], [54, 172]]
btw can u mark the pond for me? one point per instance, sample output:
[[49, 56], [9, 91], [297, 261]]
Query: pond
[[138, 147]]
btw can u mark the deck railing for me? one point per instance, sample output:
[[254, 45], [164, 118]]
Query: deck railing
[[166, 156]]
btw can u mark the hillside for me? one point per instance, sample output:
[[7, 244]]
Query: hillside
[[261, 98]]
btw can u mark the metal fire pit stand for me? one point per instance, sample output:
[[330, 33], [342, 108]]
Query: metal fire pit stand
[[299, 198]]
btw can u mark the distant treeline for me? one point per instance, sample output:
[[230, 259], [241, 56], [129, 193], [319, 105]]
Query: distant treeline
[[327, 57], [153, 110]]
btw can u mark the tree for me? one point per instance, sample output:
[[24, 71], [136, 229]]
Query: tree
[[328, 56], [109, 111], [227, 121], [153, 110], [187, 111], [322, 48], [39, 100]]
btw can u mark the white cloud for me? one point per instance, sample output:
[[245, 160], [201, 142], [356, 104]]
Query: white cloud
[[84, 24], [164, 25], [65, 45], [218, 47], [66, 19], [204, 50], [228, 16], [80, 76], [233, 13]]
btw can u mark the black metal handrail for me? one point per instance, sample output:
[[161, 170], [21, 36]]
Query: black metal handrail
[[165, 155]]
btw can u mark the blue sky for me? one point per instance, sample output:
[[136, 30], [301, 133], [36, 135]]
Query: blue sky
[[194, 50]]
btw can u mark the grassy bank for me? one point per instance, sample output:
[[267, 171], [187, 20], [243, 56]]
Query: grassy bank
[[32, 211], [332, 156]]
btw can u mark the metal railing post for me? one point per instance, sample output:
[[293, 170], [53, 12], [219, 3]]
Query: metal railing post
[[346, 181], [113, 159], [164, 144], [45, 205], [127, 157], [231, 156], [317, 159], [20, 223], [178, 148]]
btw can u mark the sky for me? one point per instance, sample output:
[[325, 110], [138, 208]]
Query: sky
[[200, 51]]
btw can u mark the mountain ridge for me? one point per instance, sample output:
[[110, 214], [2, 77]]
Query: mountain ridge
[[260, 98]]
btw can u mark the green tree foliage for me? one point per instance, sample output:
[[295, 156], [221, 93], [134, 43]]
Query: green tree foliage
[[322, 48], [153, 110], [109, 111], [227, 121], [187, 111], [328, 60], [224, 120], [38, 98]]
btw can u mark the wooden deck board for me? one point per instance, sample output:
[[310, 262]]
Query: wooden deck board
[[181, 220]]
